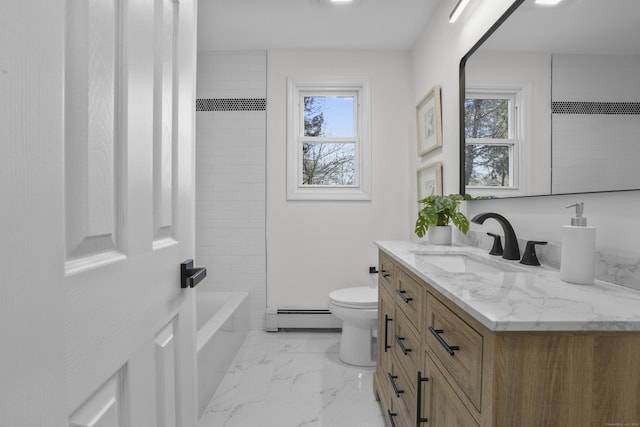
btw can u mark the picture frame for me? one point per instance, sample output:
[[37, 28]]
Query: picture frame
[[429, 180], [429, 122]]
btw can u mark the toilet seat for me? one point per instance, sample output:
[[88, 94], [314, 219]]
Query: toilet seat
[[363, 297]]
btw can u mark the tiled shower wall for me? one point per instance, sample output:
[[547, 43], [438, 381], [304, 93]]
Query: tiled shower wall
[[230, 175], [596, 120]]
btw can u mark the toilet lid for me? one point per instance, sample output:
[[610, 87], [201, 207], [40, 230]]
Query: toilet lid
[[364, 297]]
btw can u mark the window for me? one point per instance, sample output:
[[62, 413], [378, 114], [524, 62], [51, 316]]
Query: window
[[328, 140], [492, 140]]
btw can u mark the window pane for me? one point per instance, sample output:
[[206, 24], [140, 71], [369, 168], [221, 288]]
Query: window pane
[[328, 163], [487, 165], [329, 116], [486, 118]]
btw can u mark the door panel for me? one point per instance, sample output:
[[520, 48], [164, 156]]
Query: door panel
[[105, 408], [124, 307], [164, 140], [165, 358], [93, 64], [94, 326]]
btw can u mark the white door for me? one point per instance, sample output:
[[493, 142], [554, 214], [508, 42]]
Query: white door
[[97, 200]]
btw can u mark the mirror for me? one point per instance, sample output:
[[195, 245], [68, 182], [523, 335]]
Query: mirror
[[550, 101]]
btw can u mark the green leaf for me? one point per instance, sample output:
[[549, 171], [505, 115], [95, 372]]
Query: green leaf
[[460, 221]]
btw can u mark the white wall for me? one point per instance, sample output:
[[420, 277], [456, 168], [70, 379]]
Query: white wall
[[314, 247], [230, 178], [436, 59]]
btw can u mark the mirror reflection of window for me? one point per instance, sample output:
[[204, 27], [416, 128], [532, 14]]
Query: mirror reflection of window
[[491, 141]]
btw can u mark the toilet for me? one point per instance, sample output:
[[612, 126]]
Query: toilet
[[358, 309]]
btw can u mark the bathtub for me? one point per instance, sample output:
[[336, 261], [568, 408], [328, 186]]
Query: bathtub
[[222, 320]]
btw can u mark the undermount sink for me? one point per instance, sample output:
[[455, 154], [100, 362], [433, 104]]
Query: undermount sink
[[465, 263]]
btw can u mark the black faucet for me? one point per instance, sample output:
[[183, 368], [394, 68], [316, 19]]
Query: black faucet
[[511, 249]]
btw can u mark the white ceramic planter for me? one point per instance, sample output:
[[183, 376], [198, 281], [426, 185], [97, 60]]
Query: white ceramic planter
[[439, 234]]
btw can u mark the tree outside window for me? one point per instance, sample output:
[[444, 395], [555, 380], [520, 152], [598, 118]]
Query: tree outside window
[[326, 161], [490, 155]]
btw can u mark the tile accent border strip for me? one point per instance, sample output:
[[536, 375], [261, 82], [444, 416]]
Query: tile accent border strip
[[585, 107], [231, 104]]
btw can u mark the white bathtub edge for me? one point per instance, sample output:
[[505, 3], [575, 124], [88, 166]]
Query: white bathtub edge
[[204, 334]]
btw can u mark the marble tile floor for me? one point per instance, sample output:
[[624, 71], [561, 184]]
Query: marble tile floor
[[293, 379]]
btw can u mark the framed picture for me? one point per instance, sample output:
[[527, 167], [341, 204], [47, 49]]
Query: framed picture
[[429, 121], [430, 180]]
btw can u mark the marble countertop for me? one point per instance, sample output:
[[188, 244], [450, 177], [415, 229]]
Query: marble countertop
[[533, 299]]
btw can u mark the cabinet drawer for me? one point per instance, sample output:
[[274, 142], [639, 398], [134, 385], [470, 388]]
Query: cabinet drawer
[[392, 407], [402, 389], [395, 414], [457, 345], [409, 297], [386, 273], [406, 343]]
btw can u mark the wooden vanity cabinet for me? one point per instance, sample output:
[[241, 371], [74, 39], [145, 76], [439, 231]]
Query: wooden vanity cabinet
[[400, 308], [459, 373], [386, 315]]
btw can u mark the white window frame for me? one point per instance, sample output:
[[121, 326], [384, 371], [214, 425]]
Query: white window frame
[[357, 87], [515, 139]]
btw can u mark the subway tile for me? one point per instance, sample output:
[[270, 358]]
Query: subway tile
[[230, 177]]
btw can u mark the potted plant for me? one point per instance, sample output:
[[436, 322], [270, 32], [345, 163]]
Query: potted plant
[[436, 214]]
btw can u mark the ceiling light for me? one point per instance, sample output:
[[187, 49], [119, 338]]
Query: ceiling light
[[341, 1], [457, 10]]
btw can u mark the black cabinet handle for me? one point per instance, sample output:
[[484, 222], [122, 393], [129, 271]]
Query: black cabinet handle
[[387, 319], [419, 418], [396, 390], [384, 273], [391, 415], [403, 296], [436, 333], [189, 276], [399, 340]]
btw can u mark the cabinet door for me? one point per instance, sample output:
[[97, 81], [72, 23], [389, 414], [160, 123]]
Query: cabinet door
[[386, 324], [439, 405], [386, 315]]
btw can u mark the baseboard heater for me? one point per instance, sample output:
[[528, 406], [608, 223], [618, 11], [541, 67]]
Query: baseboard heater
[[300, 318]]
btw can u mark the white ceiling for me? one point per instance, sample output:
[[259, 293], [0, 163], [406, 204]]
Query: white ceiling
[[311, 24]]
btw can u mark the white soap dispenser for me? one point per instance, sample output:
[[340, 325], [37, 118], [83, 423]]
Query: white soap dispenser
[[578, 255]]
